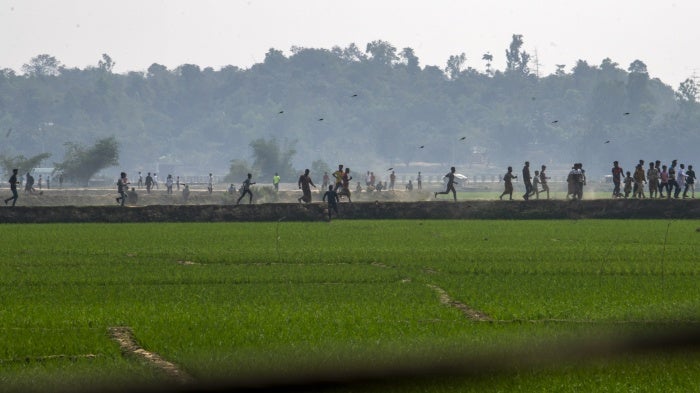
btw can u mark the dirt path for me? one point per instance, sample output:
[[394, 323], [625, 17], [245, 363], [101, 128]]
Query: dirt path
[[124, 336], [469, 312]]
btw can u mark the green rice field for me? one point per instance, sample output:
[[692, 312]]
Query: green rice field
[[232, 300]]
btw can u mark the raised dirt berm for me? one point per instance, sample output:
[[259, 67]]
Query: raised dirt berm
[[539, 209]]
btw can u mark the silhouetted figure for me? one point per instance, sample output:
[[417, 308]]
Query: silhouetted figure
[[527, 180], [149, 182], [29, 185], [304, 184], [508, 182], [333, 200], [450, 184], [617, 175], [543, 180], [245, 189], [186, 193], [672, 183], [13, 188], [689, 182]]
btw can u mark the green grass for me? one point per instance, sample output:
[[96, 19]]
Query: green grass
[[231, 299]]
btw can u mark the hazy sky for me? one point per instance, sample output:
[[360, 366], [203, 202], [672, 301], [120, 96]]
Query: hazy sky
[[137, 33]]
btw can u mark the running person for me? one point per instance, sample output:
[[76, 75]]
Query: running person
[[245, 189], [338, 175], [333, 200], [450, 184], [13, 188], [345, 191], [304, 183], [543, 180], [508, 180]]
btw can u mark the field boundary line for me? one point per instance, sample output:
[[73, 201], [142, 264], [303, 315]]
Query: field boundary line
[[124, 336], [28, 359], [469, 312]]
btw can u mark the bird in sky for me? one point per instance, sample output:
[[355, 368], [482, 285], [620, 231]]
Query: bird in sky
[[390, 169], [462, 138], [8, 133], [421, 146], [555, 122], [281, 112], [626, 113], [607, 141], [320, 119], [354, 95]]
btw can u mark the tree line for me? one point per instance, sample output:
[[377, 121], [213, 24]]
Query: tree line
[[318, 107]]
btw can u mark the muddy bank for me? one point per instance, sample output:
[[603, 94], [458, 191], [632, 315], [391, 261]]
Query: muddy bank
[[611, 209]]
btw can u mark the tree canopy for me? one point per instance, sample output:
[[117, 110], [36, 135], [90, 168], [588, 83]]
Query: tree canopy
[[344, 105], [82, 162]]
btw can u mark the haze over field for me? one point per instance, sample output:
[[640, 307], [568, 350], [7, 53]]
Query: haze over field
[[266, 86]]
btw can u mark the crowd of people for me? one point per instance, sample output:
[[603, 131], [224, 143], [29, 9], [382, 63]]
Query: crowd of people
[[673, 179], [655, 181], [657, 178]]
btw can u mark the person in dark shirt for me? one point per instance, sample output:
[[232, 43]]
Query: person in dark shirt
[[617, 174], [245, 189], [527, 180], [304, 184], [450, 184], [13, 188], [333, 200]]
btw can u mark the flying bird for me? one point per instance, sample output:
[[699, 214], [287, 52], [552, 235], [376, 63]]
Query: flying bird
[[555, 122], [354, 95], [626, 113], [421, 146], [281, 112], [390, 169], [320, 119], [462, 138], [607, 141], [8, 133]]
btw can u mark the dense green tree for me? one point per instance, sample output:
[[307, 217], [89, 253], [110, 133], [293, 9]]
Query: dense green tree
[[81, 163], [382, 52], [455, 64], [687, 92], [106, 63], [516, 59], [42, 65]]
